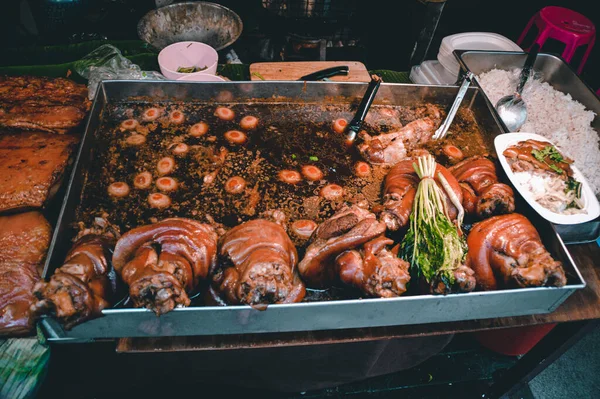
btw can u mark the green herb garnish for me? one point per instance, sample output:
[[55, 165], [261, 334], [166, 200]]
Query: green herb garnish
[[555, 168], [293, 156], [313, 158], [548, 151], [552, 153], [433, 245]]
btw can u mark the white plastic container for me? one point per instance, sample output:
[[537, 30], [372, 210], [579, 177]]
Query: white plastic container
[[417, 77], [438, 73], [431, 72], [471, 41]]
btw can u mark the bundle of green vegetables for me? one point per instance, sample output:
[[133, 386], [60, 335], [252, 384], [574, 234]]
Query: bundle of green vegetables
[[433, 245]]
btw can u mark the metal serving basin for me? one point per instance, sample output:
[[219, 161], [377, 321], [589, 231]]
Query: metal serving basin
[[326, 315]]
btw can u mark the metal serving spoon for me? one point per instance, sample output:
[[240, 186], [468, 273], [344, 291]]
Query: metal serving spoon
[[512, 108]]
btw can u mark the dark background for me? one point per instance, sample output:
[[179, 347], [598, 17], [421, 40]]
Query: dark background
[[388, 27]]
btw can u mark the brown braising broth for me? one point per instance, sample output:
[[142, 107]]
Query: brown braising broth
[[288, 135]]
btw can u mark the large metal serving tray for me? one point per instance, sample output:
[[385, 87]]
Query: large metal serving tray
[[555, 71], [303, 316]]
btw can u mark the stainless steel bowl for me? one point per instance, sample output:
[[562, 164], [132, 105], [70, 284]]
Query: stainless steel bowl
[[200, 21]]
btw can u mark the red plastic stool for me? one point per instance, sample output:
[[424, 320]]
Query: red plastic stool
[[566, 26], [513, 341]]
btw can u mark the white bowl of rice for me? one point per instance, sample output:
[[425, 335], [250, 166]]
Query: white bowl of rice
[[537, 189]]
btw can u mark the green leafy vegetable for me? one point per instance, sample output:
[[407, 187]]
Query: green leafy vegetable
[[574, 185], [433, 245], [313, 158], [191, 69]]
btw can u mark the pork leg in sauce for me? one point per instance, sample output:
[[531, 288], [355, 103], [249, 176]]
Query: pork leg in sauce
[[163, 262], [464, 281], [507, 251], [351, 227], [24, 239], [374, 269], [399, 192], [262, 259], [391, 148], [483, 195], [83, 286]]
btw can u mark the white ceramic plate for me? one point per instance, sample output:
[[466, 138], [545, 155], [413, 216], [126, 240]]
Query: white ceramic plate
[[592, 207]]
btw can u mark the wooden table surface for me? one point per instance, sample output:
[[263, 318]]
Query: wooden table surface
[[584, 304]]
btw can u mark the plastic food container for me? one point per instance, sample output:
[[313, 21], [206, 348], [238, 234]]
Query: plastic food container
[[201, 77], [187, 54], [432, 73], [591, 207], [471, 41]]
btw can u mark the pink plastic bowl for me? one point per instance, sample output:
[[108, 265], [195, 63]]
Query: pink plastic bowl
[[201, 77], [187, 54]]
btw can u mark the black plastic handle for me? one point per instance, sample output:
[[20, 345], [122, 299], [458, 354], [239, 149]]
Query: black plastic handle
[[363, 108], [533, 52], [326, 73]]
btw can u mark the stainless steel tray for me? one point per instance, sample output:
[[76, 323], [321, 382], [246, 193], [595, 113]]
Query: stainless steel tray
[[562, 77], [303, 316]]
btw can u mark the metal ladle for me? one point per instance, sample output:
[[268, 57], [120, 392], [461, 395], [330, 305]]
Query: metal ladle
[[512, 108]]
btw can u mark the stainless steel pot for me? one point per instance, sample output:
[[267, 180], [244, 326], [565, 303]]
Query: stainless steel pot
[[200, 21]]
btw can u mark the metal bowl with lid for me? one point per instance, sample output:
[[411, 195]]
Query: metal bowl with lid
[[205, 22]]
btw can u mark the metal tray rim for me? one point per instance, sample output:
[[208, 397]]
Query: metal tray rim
[[98, 105]]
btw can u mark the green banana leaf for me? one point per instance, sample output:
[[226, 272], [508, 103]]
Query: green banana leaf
[[66, 53], [23, 366]]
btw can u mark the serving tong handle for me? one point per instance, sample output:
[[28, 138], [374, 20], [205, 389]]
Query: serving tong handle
[[363, 108], [443, 129], [326, 73]]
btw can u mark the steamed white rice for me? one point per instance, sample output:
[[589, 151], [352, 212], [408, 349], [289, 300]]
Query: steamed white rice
[[554, 115]]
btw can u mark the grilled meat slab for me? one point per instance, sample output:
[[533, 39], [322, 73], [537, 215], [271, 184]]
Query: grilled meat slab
[[39, 103], [24, 239], [32, 164]]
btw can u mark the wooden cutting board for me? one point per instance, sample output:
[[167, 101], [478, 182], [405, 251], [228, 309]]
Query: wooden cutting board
[[295, 70]]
